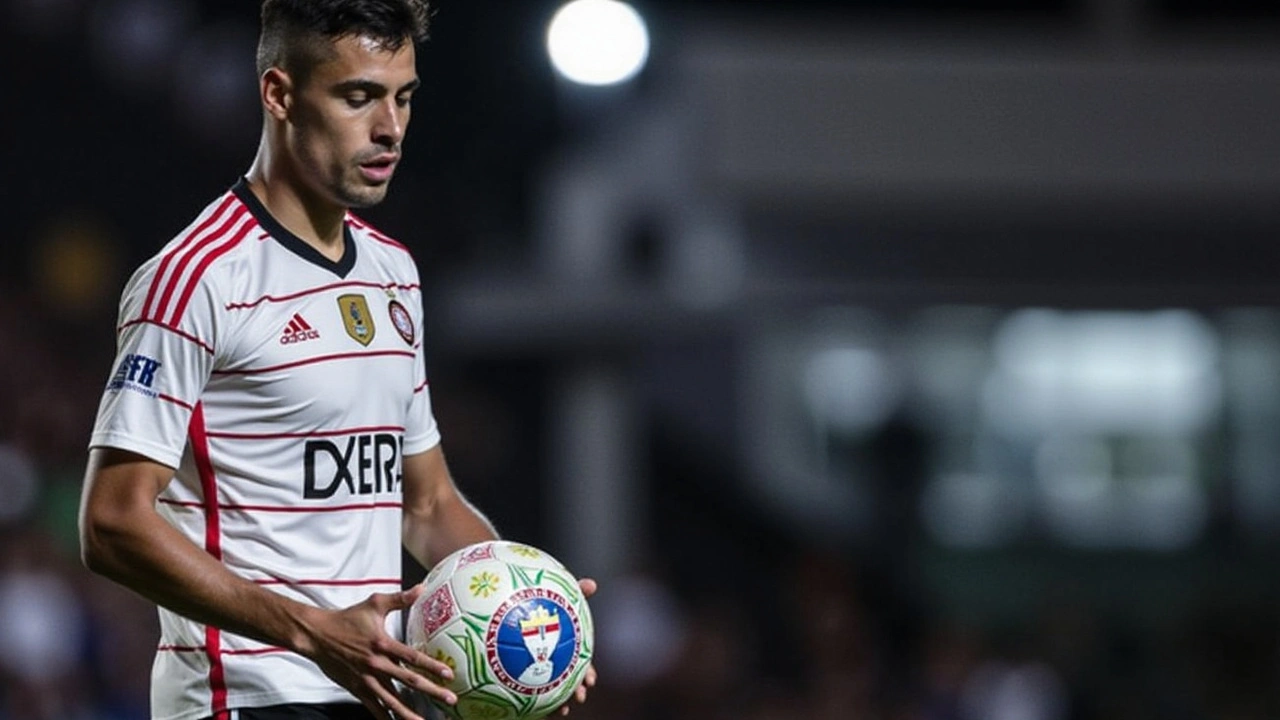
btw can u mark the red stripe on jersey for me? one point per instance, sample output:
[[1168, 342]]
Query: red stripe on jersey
[[288, 508], [164, 264], [255, 651], [181, 503], [176, 401], [316, 433], [202, 648], [333, 583], [317, 359], [213, 546], [159, 310], [321, 509], [375, 233], [208, 260], [421, 387], [184, 335], [318, 289]]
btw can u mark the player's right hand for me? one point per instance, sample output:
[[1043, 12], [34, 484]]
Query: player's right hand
[[353, 648]]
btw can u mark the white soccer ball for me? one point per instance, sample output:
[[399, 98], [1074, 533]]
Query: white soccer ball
[[513, 625]]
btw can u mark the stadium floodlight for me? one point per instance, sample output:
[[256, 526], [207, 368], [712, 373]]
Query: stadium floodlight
[[597, 42]]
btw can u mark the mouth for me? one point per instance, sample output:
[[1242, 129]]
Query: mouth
[[380, 168]]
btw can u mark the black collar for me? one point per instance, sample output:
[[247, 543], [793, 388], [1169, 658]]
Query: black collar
[[292, 242]]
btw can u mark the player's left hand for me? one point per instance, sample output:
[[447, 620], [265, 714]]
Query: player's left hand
[[589, 678]]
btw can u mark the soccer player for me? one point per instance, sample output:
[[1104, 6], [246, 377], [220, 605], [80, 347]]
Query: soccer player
[[265, 442]]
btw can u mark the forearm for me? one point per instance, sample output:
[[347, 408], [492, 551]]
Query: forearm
[[123, 538], [150, 557], [431, 534]]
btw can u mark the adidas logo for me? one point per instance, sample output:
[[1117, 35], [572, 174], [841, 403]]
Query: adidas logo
[[298, 331]]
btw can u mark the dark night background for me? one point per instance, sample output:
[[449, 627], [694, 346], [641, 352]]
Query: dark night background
[[933, 371]]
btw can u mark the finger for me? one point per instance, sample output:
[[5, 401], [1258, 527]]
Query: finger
[[588, 586], [406, 598], [382, 603], [590, 679], [389, 602], [405, 655], [391, 701], [375, 708], [389, 670], [418, 674], [398, 692], [425, 685]]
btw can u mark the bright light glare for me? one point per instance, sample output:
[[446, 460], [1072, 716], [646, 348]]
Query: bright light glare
[[597, 42]]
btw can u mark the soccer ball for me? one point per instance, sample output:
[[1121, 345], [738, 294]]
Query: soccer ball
[[513, 625]]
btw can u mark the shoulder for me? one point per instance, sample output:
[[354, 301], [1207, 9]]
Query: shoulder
[[380, 242], [191, 264], [365, 228]]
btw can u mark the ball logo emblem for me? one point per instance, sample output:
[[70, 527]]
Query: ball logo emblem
[[535, 641]]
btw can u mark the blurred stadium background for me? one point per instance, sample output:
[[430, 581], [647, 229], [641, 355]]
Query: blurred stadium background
[[915, 360]]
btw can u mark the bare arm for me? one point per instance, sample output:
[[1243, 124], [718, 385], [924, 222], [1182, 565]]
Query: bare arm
[[124, 538], [437, 518]]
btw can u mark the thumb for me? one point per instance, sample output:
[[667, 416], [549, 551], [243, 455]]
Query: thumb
[[406, 598], [390, 602]]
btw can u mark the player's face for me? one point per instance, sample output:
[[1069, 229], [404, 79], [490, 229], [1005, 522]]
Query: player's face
[[350, 119]]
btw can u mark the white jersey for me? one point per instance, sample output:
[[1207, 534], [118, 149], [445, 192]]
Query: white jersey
[[285, 389]]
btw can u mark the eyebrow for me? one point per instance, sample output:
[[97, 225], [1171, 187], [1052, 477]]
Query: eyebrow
[[373, 88]]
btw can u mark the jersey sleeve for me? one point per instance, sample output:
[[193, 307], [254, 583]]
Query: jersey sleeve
[[161, 367], [421, 432]]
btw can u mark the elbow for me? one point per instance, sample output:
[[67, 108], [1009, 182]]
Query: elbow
[[117, 511], [93, 554], [100, 538]]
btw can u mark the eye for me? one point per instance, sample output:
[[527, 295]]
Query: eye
[[403, 100], [357, 100]]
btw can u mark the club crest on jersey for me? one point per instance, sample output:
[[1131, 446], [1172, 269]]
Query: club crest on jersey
[[356, 318], [401, 320]]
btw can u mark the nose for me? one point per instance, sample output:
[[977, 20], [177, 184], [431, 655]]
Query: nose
[[389, 124]]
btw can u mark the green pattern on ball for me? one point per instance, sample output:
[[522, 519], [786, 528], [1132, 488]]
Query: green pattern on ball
[[520, 577], [477, 675], [571, 592]]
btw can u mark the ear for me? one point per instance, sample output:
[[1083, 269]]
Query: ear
[[276, 88]]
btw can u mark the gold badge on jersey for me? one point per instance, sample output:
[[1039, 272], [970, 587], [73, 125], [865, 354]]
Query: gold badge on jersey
[[356, 318]]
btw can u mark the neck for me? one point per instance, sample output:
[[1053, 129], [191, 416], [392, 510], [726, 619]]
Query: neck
[[315, 220]]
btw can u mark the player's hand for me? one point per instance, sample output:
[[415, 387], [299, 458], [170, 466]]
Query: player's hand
[[353, 648], [589, 678]]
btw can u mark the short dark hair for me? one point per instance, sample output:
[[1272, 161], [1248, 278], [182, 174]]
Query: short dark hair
[[296, 34]]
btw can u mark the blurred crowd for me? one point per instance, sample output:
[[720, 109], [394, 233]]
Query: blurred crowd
[[832, 650], [72, 645]]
